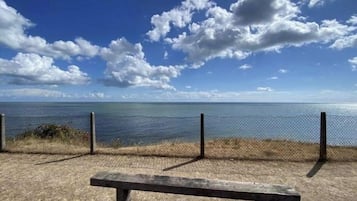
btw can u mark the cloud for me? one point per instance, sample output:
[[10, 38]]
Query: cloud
[[127, 66], [13, 28], [353, 62], [352, 20], [166, 55], [314, 3], [22, 93], [213, 95], [245, 67], [243, 30], [273, 78], [294, 33], [253, 12], [267, 89], [177, 17], [32, 92], [34, 69], [345, 42], [98, 95], [126, 63], [283, 71], [217, 96]]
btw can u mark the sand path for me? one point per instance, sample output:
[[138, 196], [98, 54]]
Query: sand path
[[66, 177]]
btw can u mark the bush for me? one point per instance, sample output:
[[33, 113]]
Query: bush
[[56, 132]]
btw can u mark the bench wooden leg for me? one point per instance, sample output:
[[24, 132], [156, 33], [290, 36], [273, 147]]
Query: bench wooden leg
[[123, 194]]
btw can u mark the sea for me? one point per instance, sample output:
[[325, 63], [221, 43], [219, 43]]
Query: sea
[[147, 123]]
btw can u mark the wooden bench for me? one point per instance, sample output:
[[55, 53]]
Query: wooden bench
[[187, 186]]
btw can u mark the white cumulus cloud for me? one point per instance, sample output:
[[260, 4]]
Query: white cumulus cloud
[[177, 17], [353, 20], [127, 66], [252, 26], [345, 42], [13, 34], [35, 69]]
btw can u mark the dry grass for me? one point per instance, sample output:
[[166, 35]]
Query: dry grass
[[235, 148], [37, 145]]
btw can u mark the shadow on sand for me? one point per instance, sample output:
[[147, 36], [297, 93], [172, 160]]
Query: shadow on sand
[[184, 163], [61, 160], [318, 165]]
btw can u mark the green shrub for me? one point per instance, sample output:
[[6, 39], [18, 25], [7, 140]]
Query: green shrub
[[56, 132]]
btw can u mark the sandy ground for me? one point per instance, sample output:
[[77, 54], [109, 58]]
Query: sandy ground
[[66, 177]]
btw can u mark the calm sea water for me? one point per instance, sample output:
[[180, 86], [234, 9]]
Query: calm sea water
[[141, 123]]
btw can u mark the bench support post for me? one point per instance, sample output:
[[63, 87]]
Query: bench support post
[[123, 195]]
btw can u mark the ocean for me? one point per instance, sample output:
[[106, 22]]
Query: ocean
[[144, 123]]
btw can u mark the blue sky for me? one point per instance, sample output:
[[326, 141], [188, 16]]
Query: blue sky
[[192, 50]]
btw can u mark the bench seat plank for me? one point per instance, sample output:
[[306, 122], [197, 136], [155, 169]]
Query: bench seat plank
[[199, 187]]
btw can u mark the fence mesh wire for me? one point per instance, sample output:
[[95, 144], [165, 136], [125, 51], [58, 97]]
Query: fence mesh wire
[[293, 138], [149, 135], [23, 133], [342, 137]]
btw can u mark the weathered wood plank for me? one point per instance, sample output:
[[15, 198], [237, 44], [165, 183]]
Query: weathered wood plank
[[199, 187]]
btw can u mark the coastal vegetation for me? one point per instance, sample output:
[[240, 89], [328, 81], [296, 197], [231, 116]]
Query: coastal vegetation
[[49, 138], [62, 133]]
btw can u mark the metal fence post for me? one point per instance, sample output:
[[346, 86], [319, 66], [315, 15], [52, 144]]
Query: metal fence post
[[323, 140], [92, 133], [202, 152], [2, 133]]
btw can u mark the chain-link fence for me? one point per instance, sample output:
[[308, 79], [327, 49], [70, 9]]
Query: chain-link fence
[[47, 133], [342, 137], [136, 135], [148, 135], [294, 138]]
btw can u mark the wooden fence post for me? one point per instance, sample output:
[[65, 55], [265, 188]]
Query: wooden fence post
[[323, 140], [2, 133], [202, 152], [92, 133]]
